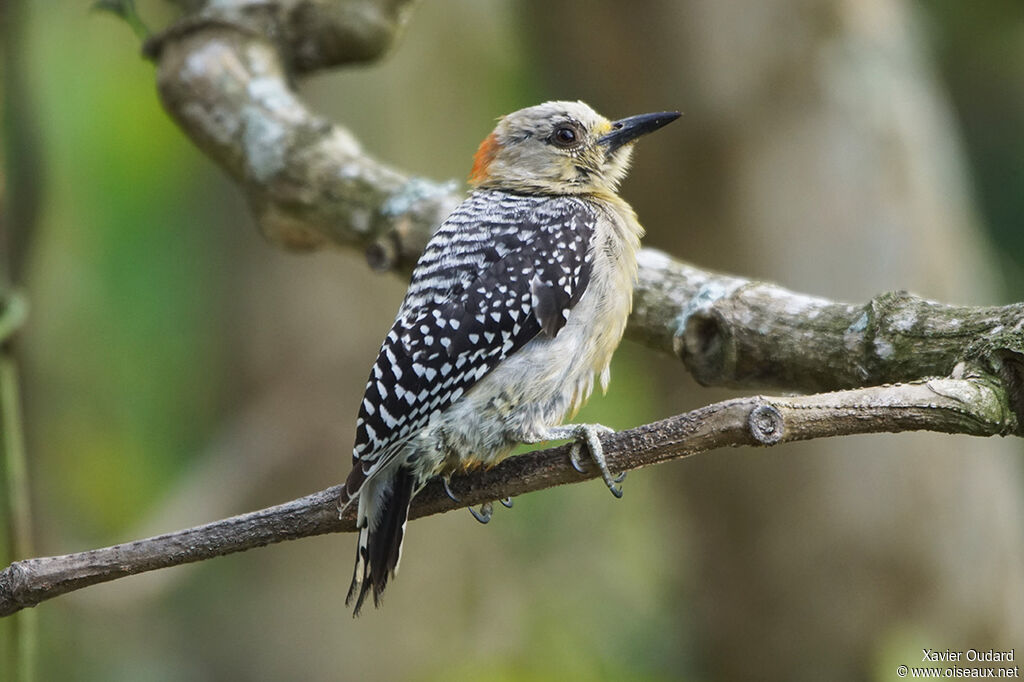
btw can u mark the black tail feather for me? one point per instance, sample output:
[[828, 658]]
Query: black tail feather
[[381, 548]]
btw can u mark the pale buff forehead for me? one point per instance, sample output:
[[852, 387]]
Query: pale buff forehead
[[541, 117]]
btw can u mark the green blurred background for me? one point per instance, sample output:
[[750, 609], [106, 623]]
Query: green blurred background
[[179, 369]]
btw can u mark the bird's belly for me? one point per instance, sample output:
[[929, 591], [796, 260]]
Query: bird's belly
[[548, 380]]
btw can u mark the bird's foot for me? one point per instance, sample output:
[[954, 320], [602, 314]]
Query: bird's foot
[[588, 435], [486, 509], [485, 513]]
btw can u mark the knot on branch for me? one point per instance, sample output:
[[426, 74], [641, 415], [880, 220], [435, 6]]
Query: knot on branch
[[1009, 366], [1000, 353], [883, 331], [703, 339], [703, 345], [766, 425]]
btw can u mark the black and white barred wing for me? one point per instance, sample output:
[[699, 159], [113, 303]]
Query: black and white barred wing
[[494, 286]]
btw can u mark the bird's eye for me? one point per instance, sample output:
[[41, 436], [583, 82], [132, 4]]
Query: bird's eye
[[564, 136]]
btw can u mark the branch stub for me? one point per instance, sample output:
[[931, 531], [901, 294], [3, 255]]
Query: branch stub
[[766, 425]]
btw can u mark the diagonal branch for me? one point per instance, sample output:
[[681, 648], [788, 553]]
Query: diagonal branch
[[974, 405]]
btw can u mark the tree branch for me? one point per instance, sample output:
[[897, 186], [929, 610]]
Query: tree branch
[[731, 331], [310, 185], [223, 75], [972, 405]]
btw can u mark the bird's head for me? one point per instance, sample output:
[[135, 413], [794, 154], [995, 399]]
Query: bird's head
[[560, 148]]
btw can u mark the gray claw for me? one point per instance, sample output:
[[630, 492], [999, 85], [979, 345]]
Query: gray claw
[[507, 502], [446, 484], [485, 513], [589, 435], [574, 455]]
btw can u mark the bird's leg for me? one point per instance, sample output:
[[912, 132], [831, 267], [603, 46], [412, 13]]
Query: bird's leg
[[585, 434]]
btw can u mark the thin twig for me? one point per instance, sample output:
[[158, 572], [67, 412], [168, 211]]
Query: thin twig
[[19, 211], [19, 513], [975, 405]]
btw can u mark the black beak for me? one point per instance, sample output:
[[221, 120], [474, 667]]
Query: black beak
[[626, 130]]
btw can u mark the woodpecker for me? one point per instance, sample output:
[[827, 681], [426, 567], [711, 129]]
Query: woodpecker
[[518, 301]]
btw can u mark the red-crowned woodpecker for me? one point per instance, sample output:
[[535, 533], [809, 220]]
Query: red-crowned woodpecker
[[519, 299]]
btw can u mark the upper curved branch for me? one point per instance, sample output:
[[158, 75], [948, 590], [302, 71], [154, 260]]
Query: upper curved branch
[[223, 74]]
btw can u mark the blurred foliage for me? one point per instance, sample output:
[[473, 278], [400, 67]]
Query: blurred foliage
[[980, 48], [133, 365], [123, 336]]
